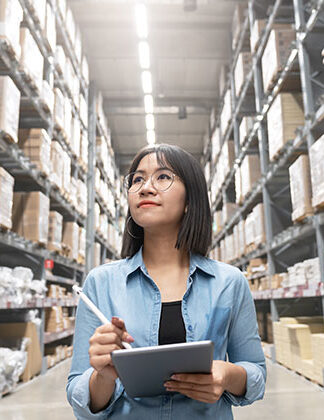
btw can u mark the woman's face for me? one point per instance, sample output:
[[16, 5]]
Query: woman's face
[[166, 208]]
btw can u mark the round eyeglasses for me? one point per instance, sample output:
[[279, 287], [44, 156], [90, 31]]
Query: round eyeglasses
[[161, 180]]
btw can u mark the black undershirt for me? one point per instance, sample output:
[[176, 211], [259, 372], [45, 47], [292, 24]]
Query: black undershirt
[[172, 329]]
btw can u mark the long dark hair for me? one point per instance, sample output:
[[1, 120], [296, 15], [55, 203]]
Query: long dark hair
[[195, 232]]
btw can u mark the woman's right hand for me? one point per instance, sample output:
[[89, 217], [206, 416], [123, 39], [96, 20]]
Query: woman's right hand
[[104, 341]]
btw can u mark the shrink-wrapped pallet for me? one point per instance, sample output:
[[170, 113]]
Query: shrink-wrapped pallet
[[250, 173], [284, 116], [6, 198], [9, 108], [82, 197], [259, 228], [82, 245], [30, 216], [226, 114], [96, 218], [239, 14], [316, 156], [55, 226], [74, 192], [11, 14], [215, 143], [57, 162], [50, 28], [242, 68], [245, 128], [59, 107], [70, 239], [66, 176], [31, 60], [276, 53], [36, 145], [227, 157], [300, 188]]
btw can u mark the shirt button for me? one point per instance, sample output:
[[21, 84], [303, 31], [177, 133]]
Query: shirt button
[[190, 328]]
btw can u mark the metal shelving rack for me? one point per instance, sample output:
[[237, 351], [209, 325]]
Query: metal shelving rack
[[286, 243]]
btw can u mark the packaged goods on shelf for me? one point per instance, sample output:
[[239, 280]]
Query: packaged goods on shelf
[[67, 119], [257, 29], [11, 14], [242, 68], [103, 225], [36, 145], [85, 69], [54, 319], [241, 237], [316, 156], [257, 266], [66, 179], [300, 188], [259, 224], [82, 245], [228, 211], [56, 292], [30, 216], [75, 89], [279, 280], [226, 113], [9, 107], [68, 74], [57, 161], [238, 186], [250, 172], [216, 143], [318, 356], [249, 231], [236, 242], [70, 25], [75, 136], [47, 97], [97, 256], [12, 364], [237, 22], [96, 218], [228, 155], [102, 152], [31, 60], [59, 108], [82, 197], [59, 59], [70, 239], [20, 330], [97, 180], [83, 108], [55, 226], [245, 128], [276, 53], [6, 198], [218, 222], [303, 273], [229, 246], [284, 116], [50, 28], [84, 148], [73, 198], [111, 203]]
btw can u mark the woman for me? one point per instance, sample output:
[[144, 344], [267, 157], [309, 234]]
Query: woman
[[167, 291]]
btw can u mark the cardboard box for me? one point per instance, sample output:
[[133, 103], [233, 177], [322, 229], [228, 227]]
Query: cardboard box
[[241, 237], [31, 60], [316, 156], [76, 136], [6, 198], [82, 245], [257, 30], [250, 172], [67, 119], [242, 69], [59, 59], [97, 254], [9, 107], [55, 226], [54, 319], [284, 116], [238, 186], [82, 197], [276, 53], [84, 148], [59, 108], [36, 145], [11, 14], [228, 211], [25, 330], [239, 14], [50, 28], [66, 175], [215, 143], [218, 222], [259, 228], [300, 188], [47, 97], [317, 341], [226, 114], [30, 216], [245, 128], [71, 239], [57, 161]]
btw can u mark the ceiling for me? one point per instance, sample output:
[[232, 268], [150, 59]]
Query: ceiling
[[187, 50]]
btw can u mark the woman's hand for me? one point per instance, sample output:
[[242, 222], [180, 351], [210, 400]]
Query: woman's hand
[[207, 388], [104, 341]]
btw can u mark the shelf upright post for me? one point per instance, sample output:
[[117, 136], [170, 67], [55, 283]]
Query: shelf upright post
[[90, 231]]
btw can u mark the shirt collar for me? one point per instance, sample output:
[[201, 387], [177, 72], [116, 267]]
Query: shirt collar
[[196, 261]]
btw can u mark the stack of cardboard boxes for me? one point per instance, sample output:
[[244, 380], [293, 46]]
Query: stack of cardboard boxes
[[316, 156], [36, 145], [9, 108]]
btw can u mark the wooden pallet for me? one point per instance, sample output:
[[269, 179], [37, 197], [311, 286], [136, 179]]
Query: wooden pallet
[[302, 217], [65, 251]]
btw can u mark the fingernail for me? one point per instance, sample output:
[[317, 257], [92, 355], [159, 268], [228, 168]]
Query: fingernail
[[174, 377], [130, 338]]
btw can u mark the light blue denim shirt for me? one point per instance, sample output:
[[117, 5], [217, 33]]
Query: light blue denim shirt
[[217, 306]]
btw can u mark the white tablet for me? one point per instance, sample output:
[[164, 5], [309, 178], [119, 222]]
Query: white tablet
[[144, 370]]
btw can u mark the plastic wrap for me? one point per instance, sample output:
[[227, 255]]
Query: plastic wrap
[[71, 239], [9, 107], [30, 216], [12, 365], [55, 226], [316, 155], [36, 145], [300, 188], [31, 59], [11, 14], [6, 198], [242, 68]]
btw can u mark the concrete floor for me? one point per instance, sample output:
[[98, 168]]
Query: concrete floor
[[288, 396]]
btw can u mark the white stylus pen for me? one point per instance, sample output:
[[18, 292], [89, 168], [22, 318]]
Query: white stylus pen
[[95, 310]]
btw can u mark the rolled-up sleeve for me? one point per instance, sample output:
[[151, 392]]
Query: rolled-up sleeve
[[244, 345]]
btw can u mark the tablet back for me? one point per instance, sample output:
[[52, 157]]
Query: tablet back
[[144, 370]]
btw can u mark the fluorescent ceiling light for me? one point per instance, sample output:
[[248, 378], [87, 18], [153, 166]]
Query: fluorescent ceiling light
[[147, 82], [149, 120], [148, 104], [150, 136], [144, 54], [141, 20]]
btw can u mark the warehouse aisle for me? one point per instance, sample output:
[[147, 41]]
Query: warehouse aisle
[[288, 396]]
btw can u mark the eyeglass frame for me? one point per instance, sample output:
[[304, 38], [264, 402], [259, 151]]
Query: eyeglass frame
[[127, 177]]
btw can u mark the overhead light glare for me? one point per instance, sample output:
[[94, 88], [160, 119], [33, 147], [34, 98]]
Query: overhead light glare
[[144, 54], [148, 104], [147, 81], [141, 20], [149, 120], [150, 136]]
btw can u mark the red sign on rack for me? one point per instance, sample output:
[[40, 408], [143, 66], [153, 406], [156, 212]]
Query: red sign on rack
[[49, 264]]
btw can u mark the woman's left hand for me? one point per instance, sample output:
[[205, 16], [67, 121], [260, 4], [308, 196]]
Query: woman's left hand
[[207, 388]]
